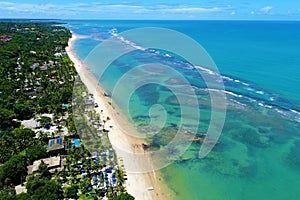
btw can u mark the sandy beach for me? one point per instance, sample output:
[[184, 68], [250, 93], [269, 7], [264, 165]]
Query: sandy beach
[[125, 145]]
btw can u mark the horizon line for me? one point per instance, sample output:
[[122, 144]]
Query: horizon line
[[55, 19]]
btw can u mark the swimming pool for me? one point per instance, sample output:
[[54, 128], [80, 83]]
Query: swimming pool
[[76, 142]]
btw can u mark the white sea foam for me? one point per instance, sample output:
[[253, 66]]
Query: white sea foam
[[125, 41], [251, 99], [290, 114], [296, 114], [265, 105], [246, 84], [250, 89], [294, 111], [189, 66], [216, 90], [226, 92], [259, 92], [206, 70], [235, 80], [239, 103], [233, 94], [227, 78], [113, 31], [279, 111], [213, 90]]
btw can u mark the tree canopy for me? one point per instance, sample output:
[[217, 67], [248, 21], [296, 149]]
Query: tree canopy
[[43, 188], [124, 196]]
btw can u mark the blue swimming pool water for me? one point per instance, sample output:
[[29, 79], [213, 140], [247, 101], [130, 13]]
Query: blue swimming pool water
[[76, 142]]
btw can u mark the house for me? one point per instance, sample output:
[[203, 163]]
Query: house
[[53, 163], [58, 54], [20, 189], [5, 38], [56, 146], [32, 123], [51, 63], [34, 65], [43, 68]]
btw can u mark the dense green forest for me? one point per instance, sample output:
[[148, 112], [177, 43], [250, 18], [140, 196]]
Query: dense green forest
[[35, 75], [37, 78]]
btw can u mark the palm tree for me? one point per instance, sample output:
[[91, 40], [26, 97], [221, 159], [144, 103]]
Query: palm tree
[[111, 193], [68, 164]]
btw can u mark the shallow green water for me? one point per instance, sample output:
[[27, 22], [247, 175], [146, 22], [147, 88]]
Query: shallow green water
[[258, 156]]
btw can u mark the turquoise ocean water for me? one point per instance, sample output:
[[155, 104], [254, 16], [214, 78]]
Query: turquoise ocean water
[[258, 156]]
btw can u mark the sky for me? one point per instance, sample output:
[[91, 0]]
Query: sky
[[153, 9]]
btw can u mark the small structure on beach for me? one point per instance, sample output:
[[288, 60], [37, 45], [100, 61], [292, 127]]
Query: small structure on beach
[[150, 188], [106, 94]]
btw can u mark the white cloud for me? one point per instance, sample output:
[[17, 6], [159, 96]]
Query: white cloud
[[108, 10], [191, 9], [4, 3], [252, 12], [25, 7], [266, 9], [67, 8], [93, 7], [123, 6]]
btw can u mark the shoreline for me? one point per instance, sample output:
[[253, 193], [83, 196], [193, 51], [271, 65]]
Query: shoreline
[[137, 183]]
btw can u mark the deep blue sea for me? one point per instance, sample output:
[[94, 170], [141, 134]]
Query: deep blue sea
[[258, 156]]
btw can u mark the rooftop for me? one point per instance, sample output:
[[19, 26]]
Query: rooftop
[[20, 189], [5, 38], [52, 162], [56, 143]]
